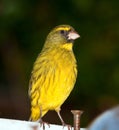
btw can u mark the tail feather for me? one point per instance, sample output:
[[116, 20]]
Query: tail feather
[[37, 113]]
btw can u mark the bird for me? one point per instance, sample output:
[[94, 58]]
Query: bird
[[54, 73]]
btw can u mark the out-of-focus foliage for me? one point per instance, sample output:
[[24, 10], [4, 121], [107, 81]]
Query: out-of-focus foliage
[[24, 25]]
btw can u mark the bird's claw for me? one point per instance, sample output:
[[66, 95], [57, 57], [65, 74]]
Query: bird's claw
[[67, 125], [42, 124]]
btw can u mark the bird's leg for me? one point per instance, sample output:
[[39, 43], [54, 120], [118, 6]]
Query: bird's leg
[[62, 121], [42, 123]]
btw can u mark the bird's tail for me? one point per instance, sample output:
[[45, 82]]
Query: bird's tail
[[36, 113]]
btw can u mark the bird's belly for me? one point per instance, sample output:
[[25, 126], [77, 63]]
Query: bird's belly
[[57, 98], [58, 89]]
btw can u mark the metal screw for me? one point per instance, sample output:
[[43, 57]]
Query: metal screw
[[77, 115]]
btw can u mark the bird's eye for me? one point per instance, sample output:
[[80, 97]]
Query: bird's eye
[[62, 31]]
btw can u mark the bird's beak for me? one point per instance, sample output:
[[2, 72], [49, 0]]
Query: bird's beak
[[73, 35]]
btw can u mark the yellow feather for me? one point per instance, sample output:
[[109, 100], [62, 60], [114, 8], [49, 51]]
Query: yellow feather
[[63, 28], [52, 79]]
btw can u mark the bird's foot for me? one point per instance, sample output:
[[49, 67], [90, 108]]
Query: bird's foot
[[67, 125], [42, 124]]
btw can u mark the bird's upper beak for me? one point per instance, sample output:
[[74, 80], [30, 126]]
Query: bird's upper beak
[[73, 35]]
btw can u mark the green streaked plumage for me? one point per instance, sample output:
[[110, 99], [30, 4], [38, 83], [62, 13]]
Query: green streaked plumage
[[54, 74]]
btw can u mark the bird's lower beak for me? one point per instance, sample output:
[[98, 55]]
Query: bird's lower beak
[[73, 35]]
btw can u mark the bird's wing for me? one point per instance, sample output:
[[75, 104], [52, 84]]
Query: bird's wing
[[39, 74]]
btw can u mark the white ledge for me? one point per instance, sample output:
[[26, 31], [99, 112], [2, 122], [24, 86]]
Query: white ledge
[[9, 124]]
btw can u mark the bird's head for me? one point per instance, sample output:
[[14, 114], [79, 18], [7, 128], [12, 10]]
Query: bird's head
[[62, 35]]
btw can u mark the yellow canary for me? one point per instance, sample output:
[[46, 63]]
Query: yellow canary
[[54, 73]]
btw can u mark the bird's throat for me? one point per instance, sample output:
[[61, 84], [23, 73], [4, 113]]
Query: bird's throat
[[67, 46]]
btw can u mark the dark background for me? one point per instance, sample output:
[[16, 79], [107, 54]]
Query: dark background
[[24, 25]]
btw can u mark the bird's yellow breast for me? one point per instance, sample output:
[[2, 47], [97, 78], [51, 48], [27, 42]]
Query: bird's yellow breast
[[55, 73]]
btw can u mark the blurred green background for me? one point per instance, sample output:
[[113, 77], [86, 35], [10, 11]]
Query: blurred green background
[[24, 25]]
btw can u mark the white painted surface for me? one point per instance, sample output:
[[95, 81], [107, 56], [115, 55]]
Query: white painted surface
[[9, 124]]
